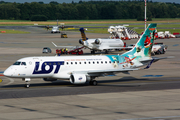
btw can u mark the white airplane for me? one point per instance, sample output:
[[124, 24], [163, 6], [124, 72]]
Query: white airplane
[[84, 69], [55, 28], [100, 44]]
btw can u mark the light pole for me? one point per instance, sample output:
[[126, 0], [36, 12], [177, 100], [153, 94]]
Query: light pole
[[145, 15]]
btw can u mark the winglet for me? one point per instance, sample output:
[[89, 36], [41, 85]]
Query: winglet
[[83, 35], [148, 66]]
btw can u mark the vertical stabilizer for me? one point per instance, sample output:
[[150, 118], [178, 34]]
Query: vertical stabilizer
[[83, 35], [144, 45]]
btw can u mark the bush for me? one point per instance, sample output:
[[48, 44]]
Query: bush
[[38, 18], [149, 19], [140, 18]]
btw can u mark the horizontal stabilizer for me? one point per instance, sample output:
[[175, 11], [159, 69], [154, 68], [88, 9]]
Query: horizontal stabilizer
[[154, 59]]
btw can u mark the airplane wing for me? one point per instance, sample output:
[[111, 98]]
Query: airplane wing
[[68, 26], [43, 26], [70, 47], [103, 72]]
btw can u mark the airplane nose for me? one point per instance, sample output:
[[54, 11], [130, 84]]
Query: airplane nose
[[7, 73]]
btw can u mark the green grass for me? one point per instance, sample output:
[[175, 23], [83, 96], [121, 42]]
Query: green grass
[[105, 30], [139, 31], [99, 24], [168, 25], [13, 31], [14, 20]]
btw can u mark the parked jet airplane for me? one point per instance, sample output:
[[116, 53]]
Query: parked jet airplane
[[84, 69], [100, 44], [97, 44]]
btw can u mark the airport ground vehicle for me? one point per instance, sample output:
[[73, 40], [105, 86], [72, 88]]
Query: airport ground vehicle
[[63, 35], [46, 50], [77, 51], [159, 48]]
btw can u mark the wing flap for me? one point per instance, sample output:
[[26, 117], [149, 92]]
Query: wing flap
[[101, 72]]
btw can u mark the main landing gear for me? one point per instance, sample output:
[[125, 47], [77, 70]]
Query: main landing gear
[[93, 52], [27, 80], [93, 82]]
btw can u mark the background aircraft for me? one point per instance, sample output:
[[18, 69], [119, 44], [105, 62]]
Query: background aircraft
[[100, 44], [84, 69], [55, 28]]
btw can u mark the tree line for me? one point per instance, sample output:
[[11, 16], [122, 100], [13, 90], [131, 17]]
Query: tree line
[[91, 10]]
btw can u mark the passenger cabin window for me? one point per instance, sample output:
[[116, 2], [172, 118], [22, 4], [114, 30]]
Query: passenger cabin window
[[84, 62], [101, 62], [109, 61], [97, 62], [71, 62], [106, 62]]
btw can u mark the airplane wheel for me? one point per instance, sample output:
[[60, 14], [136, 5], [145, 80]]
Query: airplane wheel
[[94, 82], [27, 85], [106, 52]]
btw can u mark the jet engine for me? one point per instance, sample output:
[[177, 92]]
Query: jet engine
[[81, 41], [49, 79], [78, 78], [97, 41]]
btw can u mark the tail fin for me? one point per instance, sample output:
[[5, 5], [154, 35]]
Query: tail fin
[[144, 45], [83, 35]]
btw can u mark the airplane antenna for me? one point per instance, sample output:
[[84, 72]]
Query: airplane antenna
[[145, 16]]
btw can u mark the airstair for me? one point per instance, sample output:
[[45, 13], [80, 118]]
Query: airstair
[[122, 32]]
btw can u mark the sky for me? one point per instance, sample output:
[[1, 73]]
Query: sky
[[70, 1]]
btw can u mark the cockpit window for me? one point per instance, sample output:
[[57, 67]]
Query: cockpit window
[[17, 63], [23, 63]]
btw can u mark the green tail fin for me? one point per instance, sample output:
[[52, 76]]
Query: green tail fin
[[144, 45]]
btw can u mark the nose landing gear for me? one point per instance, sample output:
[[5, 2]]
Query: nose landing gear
[[27, 80]]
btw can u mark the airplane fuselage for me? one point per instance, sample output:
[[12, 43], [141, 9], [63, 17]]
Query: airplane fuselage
[[62, 67], [103, 44]]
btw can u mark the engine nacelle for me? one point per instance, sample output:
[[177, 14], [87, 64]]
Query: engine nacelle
[[49, 79], [97, 41], [78, 78], [81, 41]]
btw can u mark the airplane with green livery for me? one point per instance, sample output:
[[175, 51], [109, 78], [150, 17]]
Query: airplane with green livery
[[84, 69]]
